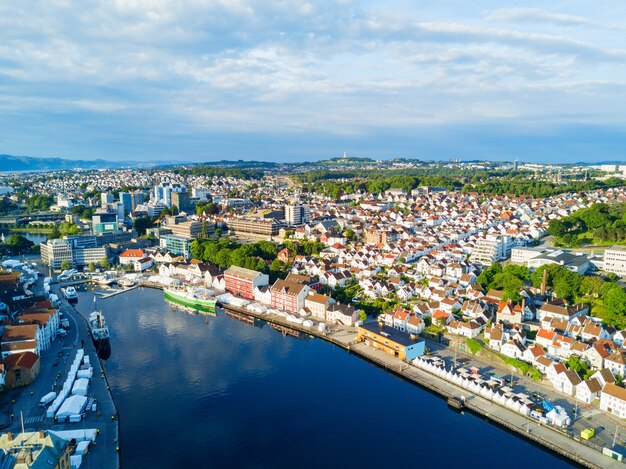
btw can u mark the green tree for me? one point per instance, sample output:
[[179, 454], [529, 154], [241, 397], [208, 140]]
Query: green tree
[[105, 263], [591, 285], [18, 244], [557, 228], [141, 224], [55, 233], [65, 265], [91, 267]]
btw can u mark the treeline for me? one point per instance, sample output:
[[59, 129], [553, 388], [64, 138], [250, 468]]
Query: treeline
[[38, 203], [606, 222], [225, 253], [376, 183], [212, 171], [537, 188]]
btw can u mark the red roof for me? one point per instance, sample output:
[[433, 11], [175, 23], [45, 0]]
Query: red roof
[[546, 334], [133, 253]]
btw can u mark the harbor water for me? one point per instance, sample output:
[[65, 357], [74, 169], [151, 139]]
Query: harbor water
[[211, 391]]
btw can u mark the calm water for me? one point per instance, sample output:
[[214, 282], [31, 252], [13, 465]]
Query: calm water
[[220, 394], [36, 238]]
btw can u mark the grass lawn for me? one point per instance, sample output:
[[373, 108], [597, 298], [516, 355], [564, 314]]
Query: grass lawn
[[474, 346]]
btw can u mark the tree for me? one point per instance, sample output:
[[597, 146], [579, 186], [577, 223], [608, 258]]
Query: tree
[[91, 267], [566, 284], [363, 316], [65, 265], [55, 233], [556, 228], [141, 224], [105, 263], [591, 285], [18, 244]]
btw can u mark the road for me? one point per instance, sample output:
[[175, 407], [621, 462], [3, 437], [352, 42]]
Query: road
[[585, 415], [55, 364]]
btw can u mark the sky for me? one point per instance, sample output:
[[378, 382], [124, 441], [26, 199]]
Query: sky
[[202, 80]]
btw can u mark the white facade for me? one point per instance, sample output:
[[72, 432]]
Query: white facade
[[615, 260], [612, 400]]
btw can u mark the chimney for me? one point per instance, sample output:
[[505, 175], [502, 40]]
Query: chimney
[[42, 434], [543, 282], [523, 304], [10, 436]]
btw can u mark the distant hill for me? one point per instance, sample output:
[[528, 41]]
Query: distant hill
[[30, 163]]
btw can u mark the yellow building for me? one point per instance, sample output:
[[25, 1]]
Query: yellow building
[[34, 449], [390, 340]]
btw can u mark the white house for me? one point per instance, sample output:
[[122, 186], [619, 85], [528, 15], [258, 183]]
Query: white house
[[588, 391], [613, 400]]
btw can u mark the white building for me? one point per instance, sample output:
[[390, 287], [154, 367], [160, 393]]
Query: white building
[[297, 214], [492, 248], [613, 400], [615, 260]]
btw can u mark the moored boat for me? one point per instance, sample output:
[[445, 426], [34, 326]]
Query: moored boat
[[193, 297], [99, 331]]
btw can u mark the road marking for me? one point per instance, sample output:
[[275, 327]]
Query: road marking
[[33, 419]]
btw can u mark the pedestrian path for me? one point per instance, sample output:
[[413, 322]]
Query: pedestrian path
[[31, 420]]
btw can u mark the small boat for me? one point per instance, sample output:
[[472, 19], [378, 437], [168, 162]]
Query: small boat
[[127, 283], [99, 331], [104, 280], [70, 294]]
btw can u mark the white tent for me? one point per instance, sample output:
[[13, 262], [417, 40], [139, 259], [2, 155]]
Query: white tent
[[88, 373], [73, 405], [80, 387]]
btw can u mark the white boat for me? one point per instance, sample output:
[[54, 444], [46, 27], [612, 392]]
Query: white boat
[[126, 282], [71, 294], [104, 280]]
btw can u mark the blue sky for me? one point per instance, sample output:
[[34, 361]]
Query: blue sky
[[290, 81]]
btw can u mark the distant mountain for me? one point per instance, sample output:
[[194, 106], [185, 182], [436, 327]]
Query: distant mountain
[[29, 163]]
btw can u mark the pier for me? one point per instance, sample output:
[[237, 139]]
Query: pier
[[104, 296], [556, 441]]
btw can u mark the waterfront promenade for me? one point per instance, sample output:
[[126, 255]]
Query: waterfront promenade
[[546, 436]]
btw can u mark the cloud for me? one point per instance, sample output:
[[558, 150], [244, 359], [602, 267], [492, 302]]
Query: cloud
[[140, 68], [536, 15]]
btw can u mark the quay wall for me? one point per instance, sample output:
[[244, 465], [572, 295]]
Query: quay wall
[[431, 383]]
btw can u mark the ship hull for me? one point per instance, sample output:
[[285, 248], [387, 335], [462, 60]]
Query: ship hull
[[103, 347], [185, 301]]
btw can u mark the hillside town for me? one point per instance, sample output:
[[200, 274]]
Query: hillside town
[[409, 272]]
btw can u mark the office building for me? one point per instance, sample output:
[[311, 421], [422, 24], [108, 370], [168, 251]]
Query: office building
[[258, 227], [126, 199], [615, 260], [104, 221], [178, 245], [181, 200], [534, 258], [106, 198], [163, 192], [297, 214], [55, 251]]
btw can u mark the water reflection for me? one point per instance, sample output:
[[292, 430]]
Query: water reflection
[[198, 392]]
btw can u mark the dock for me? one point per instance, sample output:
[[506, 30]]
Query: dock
[[104, 296], [554, 440]]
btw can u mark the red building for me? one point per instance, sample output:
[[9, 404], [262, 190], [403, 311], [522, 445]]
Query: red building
[[242, 282], [288, 296]]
